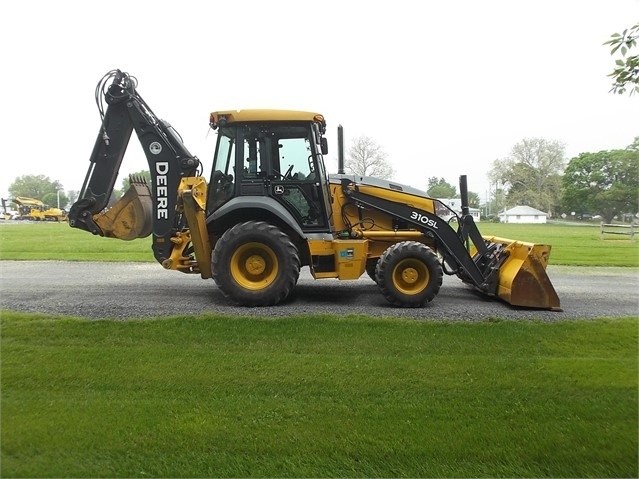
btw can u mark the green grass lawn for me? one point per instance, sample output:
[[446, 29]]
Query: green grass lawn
[[571, 245], [58, 241], [218, 396], [212, 396]]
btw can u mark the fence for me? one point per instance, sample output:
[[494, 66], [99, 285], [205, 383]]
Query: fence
[[610, 229]]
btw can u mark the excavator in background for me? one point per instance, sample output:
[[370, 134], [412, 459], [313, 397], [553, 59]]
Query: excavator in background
[[7, 214], [36, 210], [270, 209]]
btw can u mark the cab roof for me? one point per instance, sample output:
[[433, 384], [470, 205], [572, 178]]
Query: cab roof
[[233, 116]]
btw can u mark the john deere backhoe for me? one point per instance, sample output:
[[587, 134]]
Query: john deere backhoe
[[270, 208]]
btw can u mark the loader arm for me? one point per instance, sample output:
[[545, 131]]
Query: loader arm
[[139, 212], [450, 244], [512, 270]]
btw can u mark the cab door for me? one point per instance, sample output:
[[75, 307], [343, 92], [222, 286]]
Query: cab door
[[296, 179]]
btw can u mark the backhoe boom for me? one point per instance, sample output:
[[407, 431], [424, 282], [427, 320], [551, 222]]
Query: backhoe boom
[[169, 161]]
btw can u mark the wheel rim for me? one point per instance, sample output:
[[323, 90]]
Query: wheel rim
[[254, 266], [410, 276]]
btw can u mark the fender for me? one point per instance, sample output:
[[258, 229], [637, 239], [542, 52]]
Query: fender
[[243, 203]]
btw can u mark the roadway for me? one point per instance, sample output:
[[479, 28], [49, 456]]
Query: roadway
[[141, 290]]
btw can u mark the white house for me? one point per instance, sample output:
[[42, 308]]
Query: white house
[[455, 205], [523, 214]]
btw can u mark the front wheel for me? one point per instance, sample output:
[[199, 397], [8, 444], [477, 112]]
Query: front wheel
[[371, 267], [255, 264], [409, 274]]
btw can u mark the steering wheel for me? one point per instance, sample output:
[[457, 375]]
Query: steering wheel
[[216, 178], [219, 180], [288, 175]]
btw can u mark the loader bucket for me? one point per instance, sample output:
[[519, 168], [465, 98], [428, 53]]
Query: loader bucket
[[132, 216], [522, 276]]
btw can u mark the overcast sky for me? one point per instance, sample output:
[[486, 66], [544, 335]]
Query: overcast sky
[[444, 87]]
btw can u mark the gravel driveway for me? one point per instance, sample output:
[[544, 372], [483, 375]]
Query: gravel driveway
[[141, 290]]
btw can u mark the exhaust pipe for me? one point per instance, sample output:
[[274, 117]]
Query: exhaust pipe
[[463, 193], [340, 150]]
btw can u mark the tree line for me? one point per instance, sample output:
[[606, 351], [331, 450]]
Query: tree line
[[535, 173]]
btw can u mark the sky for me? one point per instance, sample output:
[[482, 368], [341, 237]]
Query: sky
[[445, 88]]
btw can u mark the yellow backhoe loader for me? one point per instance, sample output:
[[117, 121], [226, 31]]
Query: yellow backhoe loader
[[36, 210], [270, 209]]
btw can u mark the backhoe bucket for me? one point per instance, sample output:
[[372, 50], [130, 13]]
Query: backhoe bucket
[[132, 216], [522, 277]]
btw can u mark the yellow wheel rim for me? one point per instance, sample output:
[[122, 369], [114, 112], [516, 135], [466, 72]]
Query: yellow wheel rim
[[410, 276], [254, 266]]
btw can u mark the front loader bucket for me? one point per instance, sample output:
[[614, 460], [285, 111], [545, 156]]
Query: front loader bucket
[[522, 279], [131, 216]]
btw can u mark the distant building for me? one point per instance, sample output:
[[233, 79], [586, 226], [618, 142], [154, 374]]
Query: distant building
[[523, 214], [455, 205]]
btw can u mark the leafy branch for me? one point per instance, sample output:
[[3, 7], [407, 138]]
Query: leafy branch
[[626, 72]]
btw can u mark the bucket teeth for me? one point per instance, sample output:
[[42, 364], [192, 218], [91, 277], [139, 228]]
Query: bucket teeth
[[137, 180]]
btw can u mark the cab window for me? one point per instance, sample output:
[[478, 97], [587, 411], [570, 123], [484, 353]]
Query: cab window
[[295, 159]]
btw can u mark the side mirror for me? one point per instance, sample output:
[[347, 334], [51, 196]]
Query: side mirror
[[324, 143]]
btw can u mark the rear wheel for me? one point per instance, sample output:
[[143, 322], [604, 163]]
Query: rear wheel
[[255, 264], [409, 274]]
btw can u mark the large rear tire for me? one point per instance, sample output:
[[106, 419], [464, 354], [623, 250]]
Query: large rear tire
[[255, 264], [409, 274]]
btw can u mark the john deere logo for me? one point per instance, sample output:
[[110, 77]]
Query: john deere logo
[[155, 148], [278, 190]]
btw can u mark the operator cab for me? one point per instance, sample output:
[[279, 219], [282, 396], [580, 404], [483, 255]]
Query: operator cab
[[281, 159]]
